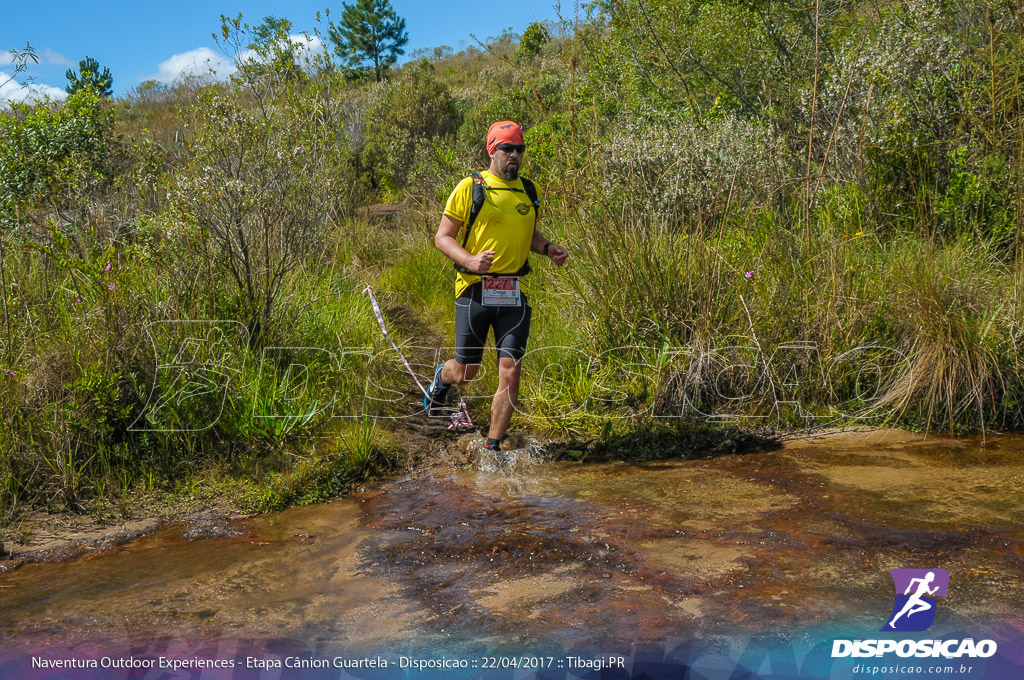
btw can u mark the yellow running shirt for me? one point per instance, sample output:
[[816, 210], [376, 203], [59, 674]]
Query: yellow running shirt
[[505, 224]]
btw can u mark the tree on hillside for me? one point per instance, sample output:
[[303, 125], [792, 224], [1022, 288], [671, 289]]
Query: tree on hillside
[[369, 37], [272, 42], [534, 38], [91, 76]]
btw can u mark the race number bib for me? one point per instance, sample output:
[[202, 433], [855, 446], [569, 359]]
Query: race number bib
[[500, 291]]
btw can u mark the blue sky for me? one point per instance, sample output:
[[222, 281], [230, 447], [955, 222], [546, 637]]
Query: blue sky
[[141, 39]]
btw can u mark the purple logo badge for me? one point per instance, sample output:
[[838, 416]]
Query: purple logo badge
[[916, 593]]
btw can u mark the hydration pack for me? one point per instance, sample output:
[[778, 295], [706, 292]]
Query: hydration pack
[[479, 196]]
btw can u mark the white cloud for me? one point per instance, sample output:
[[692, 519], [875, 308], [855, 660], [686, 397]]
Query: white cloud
[[12, 90], [51, 57], [201, 61], [245, 56], [46, 56], [308, 47]]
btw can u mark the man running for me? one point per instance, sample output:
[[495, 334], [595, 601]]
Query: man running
[[490, 259]]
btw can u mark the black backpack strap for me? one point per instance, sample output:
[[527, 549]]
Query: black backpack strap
[[479, 196], [531, 190]]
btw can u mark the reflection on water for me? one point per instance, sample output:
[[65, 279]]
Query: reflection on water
[[599, 556]]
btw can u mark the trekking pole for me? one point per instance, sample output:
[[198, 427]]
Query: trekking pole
[[460, 419]]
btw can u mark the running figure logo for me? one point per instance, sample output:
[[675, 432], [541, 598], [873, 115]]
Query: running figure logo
[[914, 610]]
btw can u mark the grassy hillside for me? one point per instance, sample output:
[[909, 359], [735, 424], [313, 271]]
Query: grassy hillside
[[777, 215]]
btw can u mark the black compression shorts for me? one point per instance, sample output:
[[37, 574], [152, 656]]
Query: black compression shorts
[[473, 320]]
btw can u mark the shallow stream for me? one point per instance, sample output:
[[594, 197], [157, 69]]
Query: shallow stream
[[793, 545]]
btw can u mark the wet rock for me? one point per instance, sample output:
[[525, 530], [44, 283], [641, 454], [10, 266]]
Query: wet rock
[[206, 526], [79, 536]]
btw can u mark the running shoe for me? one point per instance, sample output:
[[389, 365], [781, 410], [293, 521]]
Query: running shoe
[[436, 396]]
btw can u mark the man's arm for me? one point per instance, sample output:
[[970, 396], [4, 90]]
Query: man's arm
[[555, 252], [445, 241]]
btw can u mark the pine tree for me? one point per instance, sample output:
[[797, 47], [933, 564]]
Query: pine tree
[[369, 37], [91, 77]]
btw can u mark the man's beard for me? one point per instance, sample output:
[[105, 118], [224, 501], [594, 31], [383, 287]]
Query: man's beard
[[510, 173]]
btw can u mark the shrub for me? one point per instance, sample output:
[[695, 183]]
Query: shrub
[[405, 121], [258, 191]]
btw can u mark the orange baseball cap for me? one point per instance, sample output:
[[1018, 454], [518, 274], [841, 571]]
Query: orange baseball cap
[[503, 131]]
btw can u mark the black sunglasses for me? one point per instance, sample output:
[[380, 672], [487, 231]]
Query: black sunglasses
[[509, 148]]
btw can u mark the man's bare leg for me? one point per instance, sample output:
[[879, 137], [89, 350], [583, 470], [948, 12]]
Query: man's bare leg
[[455, 373], [505, 398]]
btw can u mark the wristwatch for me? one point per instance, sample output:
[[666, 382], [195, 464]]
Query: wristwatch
[[546, 246]]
